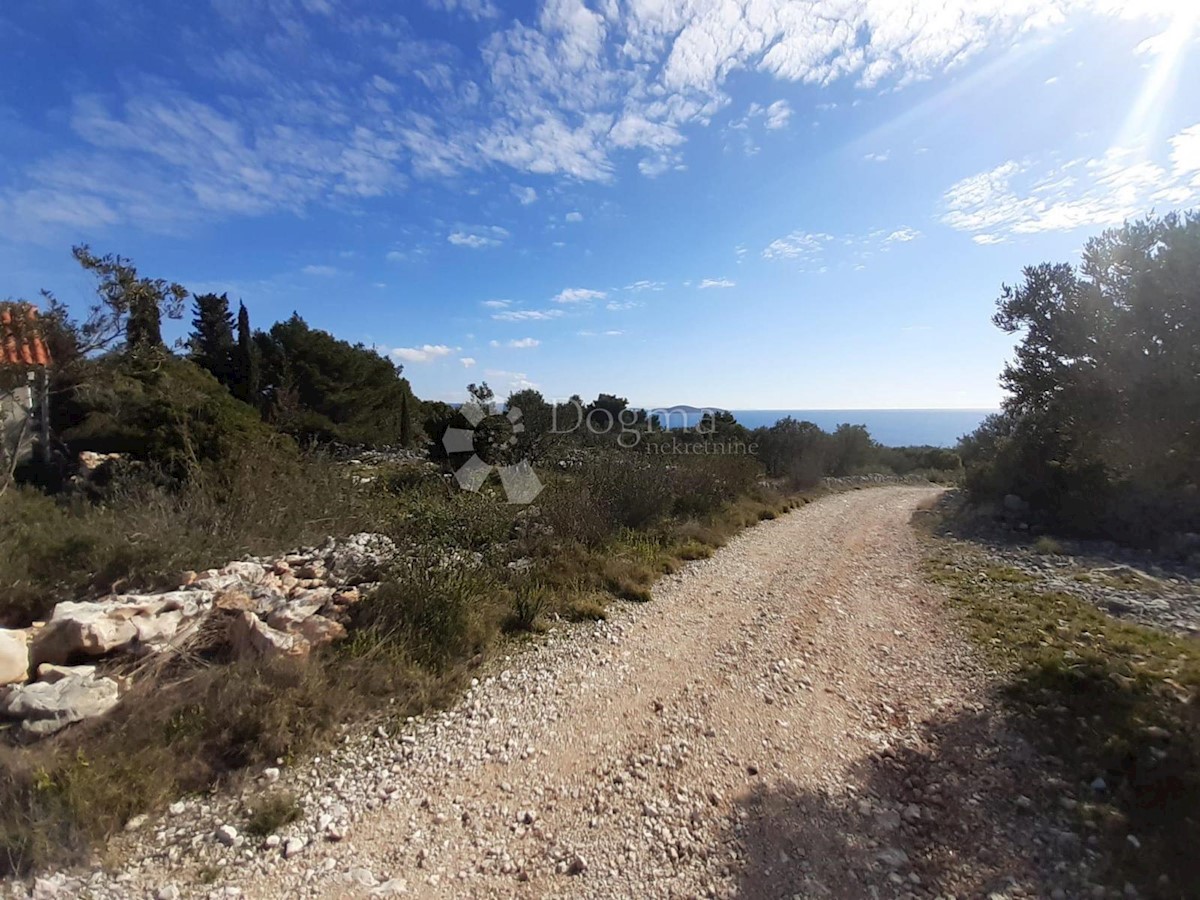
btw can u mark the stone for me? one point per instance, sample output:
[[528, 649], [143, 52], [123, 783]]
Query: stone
[[1014, 504], [227, 835], [98, 628], [251, 638], [136, 822], [360, 558], [249, 572], [270, 775], [235, 599], [51, 673], [14, 657], [47, 707], [294, 847], [577, 866], [302, 619], [892, 857], [167, 892]]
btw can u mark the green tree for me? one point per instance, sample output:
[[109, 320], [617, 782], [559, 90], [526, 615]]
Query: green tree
[[245, 361], [1100, 427], [211, 341], [129, 307], [321, 388]]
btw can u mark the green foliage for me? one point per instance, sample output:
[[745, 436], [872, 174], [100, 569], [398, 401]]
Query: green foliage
[[317, 387], [1099, 432], [172, 415], [434, 611], [130, 306], [211, 341], [246, 373]]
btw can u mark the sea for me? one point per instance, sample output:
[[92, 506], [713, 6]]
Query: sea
[[891, 427]]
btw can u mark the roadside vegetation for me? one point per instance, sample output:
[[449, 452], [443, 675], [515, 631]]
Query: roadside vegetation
[[1098, 439], [1099, 433], [1115, 701]]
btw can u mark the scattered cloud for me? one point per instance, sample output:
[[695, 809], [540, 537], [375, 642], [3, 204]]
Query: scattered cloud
[[797, 245], [902, 236], [878, 157], [612, 332], [716, 283], [507, 382], [645, 285], [574, 217], [496, 304], [526, 195], [568, 90], [322, 271], [519, 344], [578, 295], [477, 238], [527, 315], [1033, 196], [422, 354], [467, 361], [474, 9]]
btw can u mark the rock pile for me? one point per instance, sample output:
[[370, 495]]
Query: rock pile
[[258, 607]]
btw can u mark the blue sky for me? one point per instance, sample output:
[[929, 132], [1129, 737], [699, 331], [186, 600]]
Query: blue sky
[[743, 203]]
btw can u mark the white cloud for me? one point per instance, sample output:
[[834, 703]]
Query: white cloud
[[612, 332], [1030, 196], [467, 361], [578, 295], [778, 114], [496, 304], [475, 9], [878, 157], [477, 238], [322, 271], [527, 315], [574, 217], [567, 90], [645, 285], [422, 354], [716, 283], [526, 195], [797, 245], [518, 344], [902, 236]]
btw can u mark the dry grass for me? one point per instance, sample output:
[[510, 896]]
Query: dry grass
[[413, 641]]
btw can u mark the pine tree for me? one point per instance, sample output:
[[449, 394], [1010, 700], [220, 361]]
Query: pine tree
[[245, 385], [211, 340]]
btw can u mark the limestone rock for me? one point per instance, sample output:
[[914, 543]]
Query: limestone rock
[[14, 657], [253, 638], [46, 707], [151, 622]]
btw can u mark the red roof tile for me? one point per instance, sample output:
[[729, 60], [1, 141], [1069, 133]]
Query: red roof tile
[[21, 341]]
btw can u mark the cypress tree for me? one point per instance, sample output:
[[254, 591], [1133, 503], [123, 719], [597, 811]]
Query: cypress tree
[[246, 377]]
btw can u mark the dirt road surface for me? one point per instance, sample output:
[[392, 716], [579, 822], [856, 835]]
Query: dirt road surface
[[797, 716]]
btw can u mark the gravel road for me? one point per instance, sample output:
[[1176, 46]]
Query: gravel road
[[796, 716]]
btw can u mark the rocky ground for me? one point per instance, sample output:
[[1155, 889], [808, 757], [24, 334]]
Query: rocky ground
[[796, 716], [1124, 584]]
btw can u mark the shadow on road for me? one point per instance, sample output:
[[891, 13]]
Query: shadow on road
[[938, 816]]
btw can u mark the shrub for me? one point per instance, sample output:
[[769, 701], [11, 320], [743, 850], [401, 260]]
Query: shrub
[[269, 813], [435, 611]]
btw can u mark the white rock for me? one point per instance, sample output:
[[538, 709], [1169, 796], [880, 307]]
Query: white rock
[[293, 847], [47, 707], [14, 657], [167, 892], [252, 639], [270, 775], [227, 835]]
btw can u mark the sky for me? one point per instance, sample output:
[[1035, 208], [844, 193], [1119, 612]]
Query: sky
[[752, 204]]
